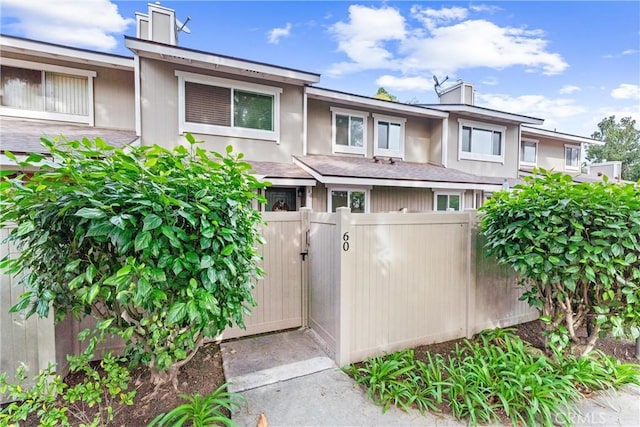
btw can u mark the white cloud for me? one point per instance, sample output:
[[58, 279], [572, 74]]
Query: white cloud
[[363, 38], [538, 106], [568, 89], [626, 91], [277, 33], [404, 83], [480, 43], [444, 42], [87, 23], [432, 18], [484, 8]]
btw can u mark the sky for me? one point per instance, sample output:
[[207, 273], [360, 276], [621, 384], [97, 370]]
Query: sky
[[571, 63]]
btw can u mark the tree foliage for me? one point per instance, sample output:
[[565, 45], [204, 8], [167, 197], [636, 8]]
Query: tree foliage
[[158, 245], [576, 248], [384, 95], [622, 143]]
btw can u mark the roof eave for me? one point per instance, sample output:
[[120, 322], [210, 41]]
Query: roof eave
[[353, 99], [65, 53], [486, 113], [179, 55], [565, 137]]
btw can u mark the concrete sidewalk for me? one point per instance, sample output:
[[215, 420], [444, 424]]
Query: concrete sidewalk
[[289, 378]]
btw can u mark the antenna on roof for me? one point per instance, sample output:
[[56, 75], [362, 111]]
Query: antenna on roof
[[180, 26], [438, 85]]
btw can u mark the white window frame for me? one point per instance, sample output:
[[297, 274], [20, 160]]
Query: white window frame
[[230, 131], [481, 126], [392, 120], [572, 146], [448, 193], [347, 148], [349, 190], [45, 115], [530, 141]]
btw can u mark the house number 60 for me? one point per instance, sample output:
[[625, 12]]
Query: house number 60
[[345, 241]]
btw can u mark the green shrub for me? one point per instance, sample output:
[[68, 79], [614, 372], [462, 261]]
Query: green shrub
[[158, 245], [577, 252], [94, 401]]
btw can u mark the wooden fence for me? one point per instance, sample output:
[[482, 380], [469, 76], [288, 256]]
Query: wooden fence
[[384, 282], [365, 283]]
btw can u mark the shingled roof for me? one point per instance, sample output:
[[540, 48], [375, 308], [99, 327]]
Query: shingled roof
[[23, 136], [388, 172]]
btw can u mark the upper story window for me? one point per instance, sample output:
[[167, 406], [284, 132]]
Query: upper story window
[[388, 136], [528, 152], [356, 199], [216, 106], [572, 157], [349, 131], [447, 201], [481, 141], [44, 91]]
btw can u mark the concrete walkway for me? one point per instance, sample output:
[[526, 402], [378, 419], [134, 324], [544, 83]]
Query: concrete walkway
[[289, 378]]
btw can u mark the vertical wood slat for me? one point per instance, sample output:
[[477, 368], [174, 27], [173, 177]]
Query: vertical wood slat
[[279, 294], [27, 342]]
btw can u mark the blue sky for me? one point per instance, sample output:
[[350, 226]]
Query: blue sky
[[571, 63]]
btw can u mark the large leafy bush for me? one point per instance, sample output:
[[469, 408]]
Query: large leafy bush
[[159, 245], [576, 248]]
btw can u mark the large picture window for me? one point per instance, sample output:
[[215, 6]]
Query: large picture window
[[572, 157], [355, 199], [349, 131], [218, 106], [45, 91], [481, 141], [528, 152], [389, 136], [447, 201]]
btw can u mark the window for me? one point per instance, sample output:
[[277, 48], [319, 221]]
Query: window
[[349, 131], [480, 141], [357, 200], [572, 156], [388, 136], [217, 106], [44, 91], [528, 152], [447, 202]]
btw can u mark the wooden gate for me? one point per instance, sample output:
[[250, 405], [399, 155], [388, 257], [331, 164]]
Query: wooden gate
[[279, 294]]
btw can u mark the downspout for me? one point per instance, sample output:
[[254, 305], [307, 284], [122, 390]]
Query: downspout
[[304, 121], [138, 104], [445, 141]]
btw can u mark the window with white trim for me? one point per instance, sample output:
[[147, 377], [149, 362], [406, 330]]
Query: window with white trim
[[447, 201], [356, 199], [388, 136], [528, 152], [217, 106], [349, 131], [45, 91], [481, 141], [572, 156]]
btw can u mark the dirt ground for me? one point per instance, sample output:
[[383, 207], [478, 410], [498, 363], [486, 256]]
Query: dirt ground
[[204, 373]]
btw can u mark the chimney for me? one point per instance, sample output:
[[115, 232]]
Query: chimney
[[158, 25], [460, 93]]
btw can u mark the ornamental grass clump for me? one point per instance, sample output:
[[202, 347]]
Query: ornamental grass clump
[[491, 379], [158, 245]]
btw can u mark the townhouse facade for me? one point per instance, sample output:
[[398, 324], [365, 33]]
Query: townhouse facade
[[318, 147]]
